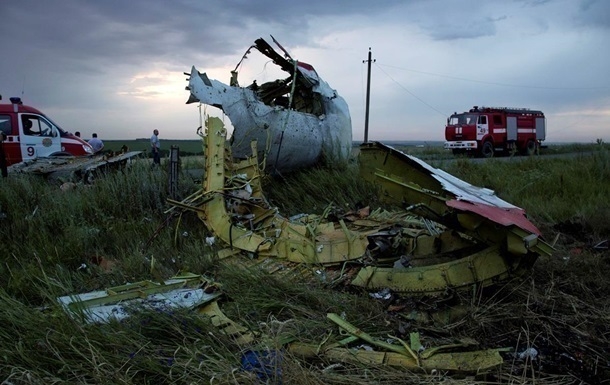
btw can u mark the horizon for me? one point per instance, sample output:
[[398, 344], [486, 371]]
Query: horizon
[[418, 141]]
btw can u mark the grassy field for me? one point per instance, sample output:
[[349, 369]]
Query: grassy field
[[59, 241], [432, 151], [187, 147]]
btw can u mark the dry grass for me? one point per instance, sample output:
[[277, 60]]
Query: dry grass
[[561, 309]]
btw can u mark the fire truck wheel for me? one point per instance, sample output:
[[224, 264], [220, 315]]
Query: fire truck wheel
[[530, 147], [487, 150]]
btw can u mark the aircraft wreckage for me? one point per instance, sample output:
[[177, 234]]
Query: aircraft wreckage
[[74, 168], [448, 236], [295, 120]]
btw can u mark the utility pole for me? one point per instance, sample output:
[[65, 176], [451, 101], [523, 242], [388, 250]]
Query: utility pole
[[368, 97]]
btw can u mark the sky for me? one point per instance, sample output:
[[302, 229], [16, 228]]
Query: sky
[[116, 67]]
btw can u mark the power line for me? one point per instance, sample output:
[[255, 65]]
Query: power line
[[495, 83], [410, 93]]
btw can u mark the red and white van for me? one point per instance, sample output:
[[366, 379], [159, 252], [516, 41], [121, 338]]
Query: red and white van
[[29, 134]]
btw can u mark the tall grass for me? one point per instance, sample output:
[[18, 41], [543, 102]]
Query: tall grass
[[572, 189], [318, 189], [46, 228], [117, 230]]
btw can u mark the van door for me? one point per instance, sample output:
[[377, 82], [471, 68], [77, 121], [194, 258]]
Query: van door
[[482, 127], [39, 137]]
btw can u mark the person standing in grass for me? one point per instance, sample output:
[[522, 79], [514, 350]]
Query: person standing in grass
[[155, 146], [96, 143]]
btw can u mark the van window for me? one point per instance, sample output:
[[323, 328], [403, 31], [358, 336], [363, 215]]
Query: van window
[[483, 119], [37, 126], [5, 125]]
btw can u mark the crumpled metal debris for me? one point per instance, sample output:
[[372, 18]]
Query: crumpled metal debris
[[450, 236], [77, 169], [194, 291], [410, 355], [119, 302]]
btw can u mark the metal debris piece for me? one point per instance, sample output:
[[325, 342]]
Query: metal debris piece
[[513, 242], [294, 120], [116, 303], [240, 334], [248, 223], [408, 356], [75, 169], [183, 291]]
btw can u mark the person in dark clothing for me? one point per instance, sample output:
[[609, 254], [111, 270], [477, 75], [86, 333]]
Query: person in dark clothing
[[27, 128]]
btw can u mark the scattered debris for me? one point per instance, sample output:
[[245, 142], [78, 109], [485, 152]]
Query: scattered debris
[[195, 291], [72, 169], [451, 236]]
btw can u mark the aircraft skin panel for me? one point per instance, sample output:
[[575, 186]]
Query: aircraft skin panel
[[287, 138]]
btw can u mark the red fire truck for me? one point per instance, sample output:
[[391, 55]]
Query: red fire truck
[[29, 134], [486, 131]]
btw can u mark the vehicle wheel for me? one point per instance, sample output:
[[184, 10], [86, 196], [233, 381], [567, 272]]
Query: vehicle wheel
[[530, 147], [487, 150]]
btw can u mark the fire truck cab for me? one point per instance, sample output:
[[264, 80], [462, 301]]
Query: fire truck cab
[[485, 131], [29, 134]]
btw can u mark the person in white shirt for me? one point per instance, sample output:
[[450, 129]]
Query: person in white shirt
[[155, 147], [96, 143]]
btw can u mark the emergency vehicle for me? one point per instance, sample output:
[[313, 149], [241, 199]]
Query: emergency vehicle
[[29, 134], [485, 131]]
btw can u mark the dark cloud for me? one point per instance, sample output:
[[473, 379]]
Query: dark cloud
[[466, 29], [117, 29], [454, 20], [84, 53], [118, 56], [594, 13]]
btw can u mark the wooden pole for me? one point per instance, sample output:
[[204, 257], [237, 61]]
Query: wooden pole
[[368, 97]]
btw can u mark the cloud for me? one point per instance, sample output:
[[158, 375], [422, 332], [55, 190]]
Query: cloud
[[594, 13], [117, 66]]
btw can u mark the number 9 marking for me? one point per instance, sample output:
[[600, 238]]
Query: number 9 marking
[[31, 151]]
